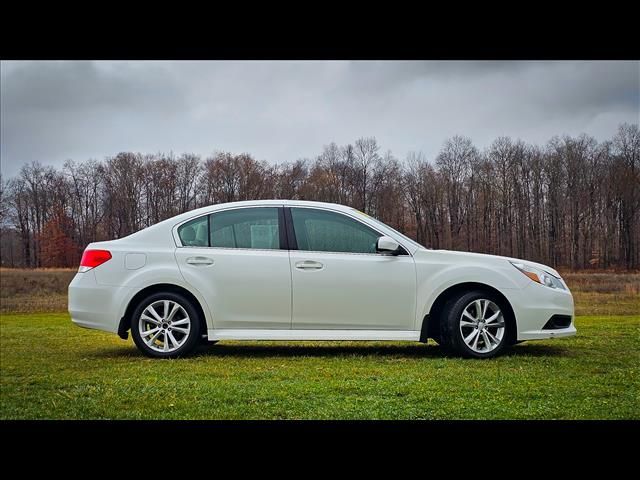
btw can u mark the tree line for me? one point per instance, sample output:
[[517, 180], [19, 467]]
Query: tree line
[[572, 203]]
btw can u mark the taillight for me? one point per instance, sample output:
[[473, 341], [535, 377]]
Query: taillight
[[93, 258]]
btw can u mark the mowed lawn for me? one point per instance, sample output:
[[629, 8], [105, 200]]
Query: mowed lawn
[[53, 369], [50, 368]]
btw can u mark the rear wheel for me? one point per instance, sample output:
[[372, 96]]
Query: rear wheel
[[474, 325], [165, 325]]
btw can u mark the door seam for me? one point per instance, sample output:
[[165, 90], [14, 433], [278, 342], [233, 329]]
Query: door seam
[[290, 291]]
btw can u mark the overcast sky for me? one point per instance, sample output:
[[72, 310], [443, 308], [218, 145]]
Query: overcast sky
[[284, 110]]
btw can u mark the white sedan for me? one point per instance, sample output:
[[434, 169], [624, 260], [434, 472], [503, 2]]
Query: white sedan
[[297, 270]]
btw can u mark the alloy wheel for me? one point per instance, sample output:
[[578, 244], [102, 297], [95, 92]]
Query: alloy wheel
[[482, 325], [164, 326]]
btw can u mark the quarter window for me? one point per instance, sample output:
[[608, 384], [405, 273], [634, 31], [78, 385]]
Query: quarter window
[[195, 233], [324, 231]]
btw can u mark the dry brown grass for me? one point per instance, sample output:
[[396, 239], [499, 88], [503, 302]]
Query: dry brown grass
[[603, 282], [35, 290], [605, 293], [45, 290]]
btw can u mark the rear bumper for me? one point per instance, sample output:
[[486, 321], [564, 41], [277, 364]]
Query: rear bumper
[[534, 305], [96, 306]]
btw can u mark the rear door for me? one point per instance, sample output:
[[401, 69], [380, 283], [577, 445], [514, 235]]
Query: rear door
[[340, 281], [237, 259]]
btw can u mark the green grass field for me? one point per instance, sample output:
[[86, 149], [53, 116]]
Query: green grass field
[[53, 369], [50, 368]]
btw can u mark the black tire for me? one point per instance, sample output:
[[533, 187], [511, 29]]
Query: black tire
[[193, 338], [450, 334]]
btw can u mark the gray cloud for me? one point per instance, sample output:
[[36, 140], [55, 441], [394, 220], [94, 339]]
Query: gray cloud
[[44, 87], [281, 111]]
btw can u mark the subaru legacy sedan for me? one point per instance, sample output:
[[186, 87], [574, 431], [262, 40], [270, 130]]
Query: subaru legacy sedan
[[297, 270]]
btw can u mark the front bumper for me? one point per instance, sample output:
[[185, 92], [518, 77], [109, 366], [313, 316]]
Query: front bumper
[[542, 334], [534, 305]]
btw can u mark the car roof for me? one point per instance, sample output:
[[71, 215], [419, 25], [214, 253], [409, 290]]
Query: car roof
[[281, 202], [275, 202]]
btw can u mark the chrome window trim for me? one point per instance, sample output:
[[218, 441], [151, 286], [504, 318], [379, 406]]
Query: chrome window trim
[[178, 242]]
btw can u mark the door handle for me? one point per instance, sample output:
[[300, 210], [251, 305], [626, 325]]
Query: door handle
[[309, 265], [199, 261]]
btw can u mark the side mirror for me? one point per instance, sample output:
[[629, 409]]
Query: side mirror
[[387, 245]]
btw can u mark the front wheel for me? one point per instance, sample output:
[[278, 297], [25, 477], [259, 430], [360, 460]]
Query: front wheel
[[165, 325], [474, 325]]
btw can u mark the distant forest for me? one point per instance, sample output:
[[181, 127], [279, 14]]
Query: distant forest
[[573, 203]]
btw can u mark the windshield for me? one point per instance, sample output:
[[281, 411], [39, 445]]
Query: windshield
[[379, 223]]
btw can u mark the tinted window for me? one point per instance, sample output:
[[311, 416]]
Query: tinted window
[[194, 233], [323, 231], [246, 228]]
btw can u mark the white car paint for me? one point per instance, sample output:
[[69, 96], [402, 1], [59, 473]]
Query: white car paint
[[272, 294], [245, 288], [353, 291]]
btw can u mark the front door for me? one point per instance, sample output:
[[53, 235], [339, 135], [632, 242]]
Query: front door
[[341, 282]]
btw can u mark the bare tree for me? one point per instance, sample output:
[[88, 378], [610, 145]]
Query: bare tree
[[366, 154], [454, 163]]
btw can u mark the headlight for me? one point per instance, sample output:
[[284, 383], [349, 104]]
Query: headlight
[[539, 275]]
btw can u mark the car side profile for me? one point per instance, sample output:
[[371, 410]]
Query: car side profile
[[298, 270]]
